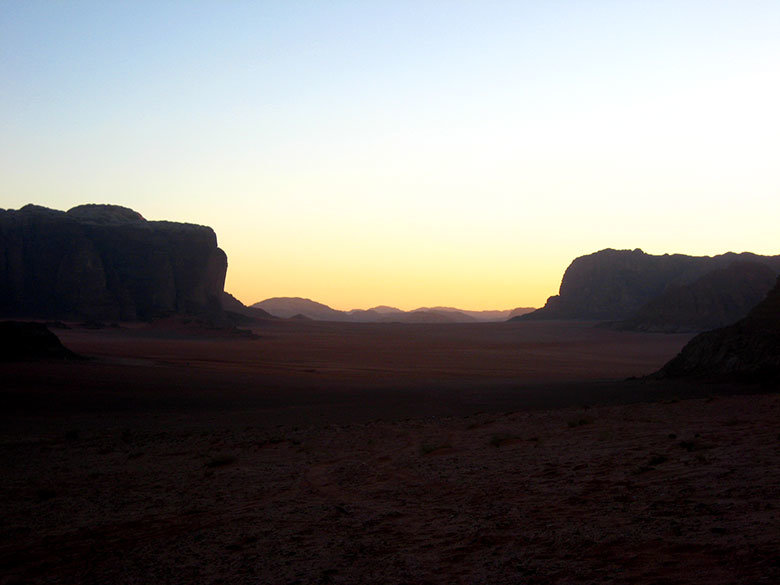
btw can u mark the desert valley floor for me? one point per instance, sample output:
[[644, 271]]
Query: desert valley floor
[[382, 453]]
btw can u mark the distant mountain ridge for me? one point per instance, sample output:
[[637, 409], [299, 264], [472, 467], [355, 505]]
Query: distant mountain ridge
[[289, 307], [660, 293]]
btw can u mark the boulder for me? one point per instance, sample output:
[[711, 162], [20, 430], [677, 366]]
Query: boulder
[[22, 341]]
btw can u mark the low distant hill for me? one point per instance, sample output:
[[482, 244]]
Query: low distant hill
[[425, 315], [383, 310], [478, 315], [288, 307], [613, 285], [519, 311], [748, 350]]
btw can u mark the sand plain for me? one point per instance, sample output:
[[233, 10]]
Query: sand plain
[[382, 453]]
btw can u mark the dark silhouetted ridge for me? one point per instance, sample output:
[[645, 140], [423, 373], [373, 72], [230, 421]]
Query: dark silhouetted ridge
[[612, 285], [716, 299], [106, 263], [22, 341], [242, 314], [287, 307], [748, 350]]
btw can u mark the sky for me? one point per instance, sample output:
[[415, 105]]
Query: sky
[[410, 154]]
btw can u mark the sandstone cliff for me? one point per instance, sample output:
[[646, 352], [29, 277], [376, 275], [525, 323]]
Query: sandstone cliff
[[716, 299], [611, 285], [748, 350], [105, 262]]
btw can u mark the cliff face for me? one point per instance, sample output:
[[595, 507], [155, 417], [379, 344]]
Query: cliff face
[[611, 285], [716, 299], [105, 262], [748, 350]]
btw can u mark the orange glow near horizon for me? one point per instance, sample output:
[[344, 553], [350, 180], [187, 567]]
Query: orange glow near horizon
[[349, 271], [345, 289]]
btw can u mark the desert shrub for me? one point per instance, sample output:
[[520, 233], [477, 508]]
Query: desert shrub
[[44, 494], [657, 460], [688, 445], [427, 448], [220, 461], [500, 438]]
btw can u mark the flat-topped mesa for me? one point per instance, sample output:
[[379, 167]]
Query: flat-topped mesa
[[612, 285], [106, 262]]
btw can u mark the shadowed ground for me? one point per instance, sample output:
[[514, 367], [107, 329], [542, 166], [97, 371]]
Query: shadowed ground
[[352, 453]]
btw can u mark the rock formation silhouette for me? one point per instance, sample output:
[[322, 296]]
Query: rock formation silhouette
[[22, 341], [716, 299], [748, 350], [105, 262], [611, 285]]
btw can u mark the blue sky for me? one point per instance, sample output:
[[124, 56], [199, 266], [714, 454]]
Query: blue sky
[[407, 153]]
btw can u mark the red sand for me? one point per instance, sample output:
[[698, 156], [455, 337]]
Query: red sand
[[351, 453], [531, 351]]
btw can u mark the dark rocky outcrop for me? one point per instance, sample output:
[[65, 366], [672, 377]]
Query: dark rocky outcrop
[[748, 350], [716, 299], [240, 313], [105, 262], [22, 341], [611, 285]]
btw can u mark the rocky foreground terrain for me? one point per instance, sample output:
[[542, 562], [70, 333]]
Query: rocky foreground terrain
[[314, 452], [680, 492]]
